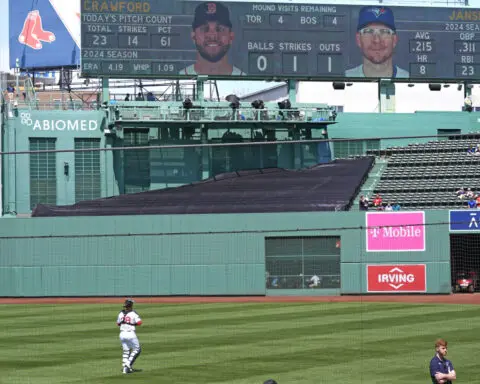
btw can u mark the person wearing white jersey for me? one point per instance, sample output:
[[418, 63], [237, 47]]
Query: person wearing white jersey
[[213, 36], [314, 281], [377, 38], [128, 320]]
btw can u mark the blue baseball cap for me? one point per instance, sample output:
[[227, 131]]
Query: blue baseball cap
[[211, 11], [372, 14]]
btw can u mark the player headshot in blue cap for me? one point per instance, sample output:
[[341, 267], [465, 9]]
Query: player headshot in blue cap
[[377, 38], [213, 36]]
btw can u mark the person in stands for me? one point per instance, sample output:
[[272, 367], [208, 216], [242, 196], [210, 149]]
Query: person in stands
[[469, 194], [363, 203], [472, 203], [377, 202]]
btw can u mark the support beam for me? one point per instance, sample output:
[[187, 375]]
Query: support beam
[[206, 165], [386, 96], [200, 88], [467, 90], [105, 90], [292, 91]]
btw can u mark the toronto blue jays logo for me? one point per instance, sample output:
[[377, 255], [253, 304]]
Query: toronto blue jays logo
[[377, 11]]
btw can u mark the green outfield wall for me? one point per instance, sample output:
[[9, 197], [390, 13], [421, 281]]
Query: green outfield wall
[[222, 254], [54, 178], [29, 179], [377, 125]]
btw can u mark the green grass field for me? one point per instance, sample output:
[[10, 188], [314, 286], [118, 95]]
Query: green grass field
[[238, 343]]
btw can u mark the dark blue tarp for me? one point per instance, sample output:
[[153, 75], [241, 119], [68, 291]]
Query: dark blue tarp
[[324, 187]]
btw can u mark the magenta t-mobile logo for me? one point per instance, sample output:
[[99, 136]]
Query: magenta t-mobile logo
[[395, 231]]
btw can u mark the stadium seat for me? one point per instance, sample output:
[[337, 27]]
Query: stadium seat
[[427, 175]]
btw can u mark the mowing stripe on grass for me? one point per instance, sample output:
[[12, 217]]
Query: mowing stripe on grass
[[238, 343]]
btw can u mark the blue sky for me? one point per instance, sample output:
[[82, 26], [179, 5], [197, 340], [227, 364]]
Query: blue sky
[[3, 35], [225, 87]]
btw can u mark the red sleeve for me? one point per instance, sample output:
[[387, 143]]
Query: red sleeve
[[139, 322]]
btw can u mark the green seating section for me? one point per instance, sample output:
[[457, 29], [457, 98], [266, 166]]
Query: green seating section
[[427, 175]]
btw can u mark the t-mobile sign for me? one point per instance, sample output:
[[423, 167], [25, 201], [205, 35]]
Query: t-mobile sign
[[395, 231]]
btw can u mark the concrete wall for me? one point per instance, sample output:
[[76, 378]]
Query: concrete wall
[[363, 97], [188, 254], [376, 125]]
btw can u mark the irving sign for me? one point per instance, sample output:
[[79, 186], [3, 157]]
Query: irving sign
[[406, 278]]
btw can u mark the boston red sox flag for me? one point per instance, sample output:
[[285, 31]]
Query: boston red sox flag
[[44, 33], [393, 278]]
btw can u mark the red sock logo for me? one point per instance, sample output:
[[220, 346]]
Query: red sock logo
[[38, 30], [26, 36], [33, 32]]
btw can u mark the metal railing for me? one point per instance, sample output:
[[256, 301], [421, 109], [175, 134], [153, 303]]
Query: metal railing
[[52, 106], [212, 114]]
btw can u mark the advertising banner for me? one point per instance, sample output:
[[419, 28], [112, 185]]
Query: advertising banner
[[401, 278], [395, 231], [44, 34], [465, 220]]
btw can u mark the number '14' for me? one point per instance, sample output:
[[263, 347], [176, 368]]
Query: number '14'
[[132, 40]]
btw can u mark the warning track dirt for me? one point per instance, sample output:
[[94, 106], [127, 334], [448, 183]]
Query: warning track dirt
[[420, 299]]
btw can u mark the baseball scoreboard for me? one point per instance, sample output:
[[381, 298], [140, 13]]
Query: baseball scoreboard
[[183, 39]]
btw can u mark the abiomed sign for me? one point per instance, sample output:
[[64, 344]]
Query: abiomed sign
[[76, 125], [395, 231], [397, 278]]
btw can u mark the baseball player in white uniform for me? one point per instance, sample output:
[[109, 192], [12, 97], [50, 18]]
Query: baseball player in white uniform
[[128, 320]]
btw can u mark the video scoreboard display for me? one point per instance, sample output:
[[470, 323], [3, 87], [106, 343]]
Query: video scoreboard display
[[184, 39]]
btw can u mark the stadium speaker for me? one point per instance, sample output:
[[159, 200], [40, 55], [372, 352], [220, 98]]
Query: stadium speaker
[[338, 85], [435, 87]]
